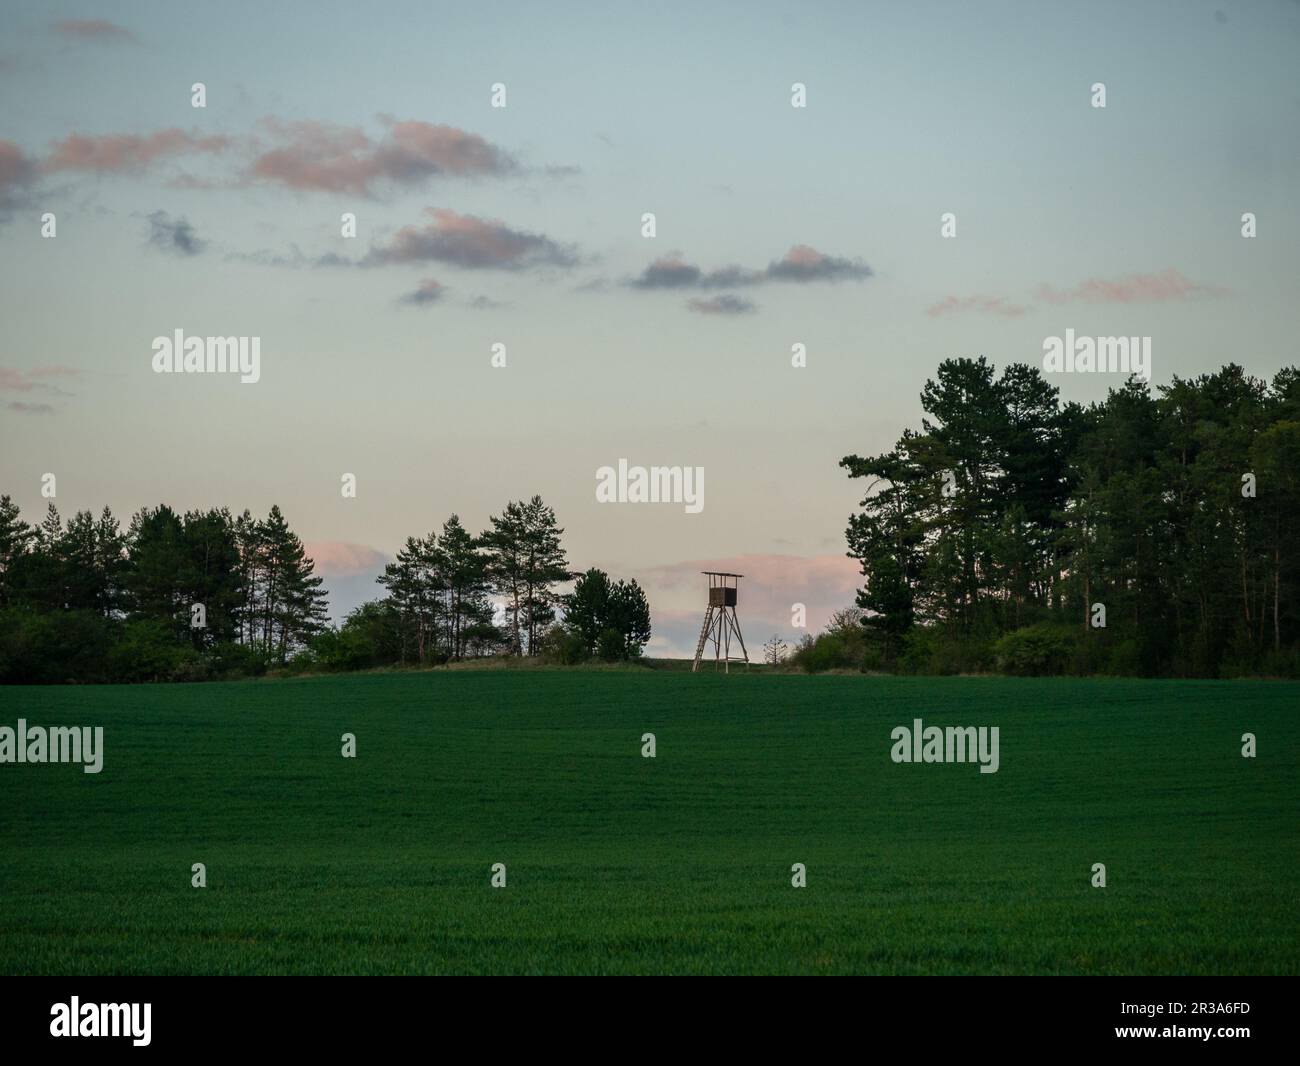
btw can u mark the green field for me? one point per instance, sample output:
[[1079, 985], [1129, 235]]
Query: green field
[[678, 864]]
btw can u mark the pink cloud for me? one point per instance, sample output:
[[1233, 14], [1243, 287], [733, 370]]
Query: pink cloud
[[92, 30], [332, 158], [429, 291], [123, 152], [35, 379], [470, 242], [1169, 285], [804, 263], [336, 558], [415, 149], [1136, 288], [994, 305]]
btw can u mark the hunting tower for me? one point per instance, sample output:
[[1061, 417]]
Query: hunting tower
[[720, 622]]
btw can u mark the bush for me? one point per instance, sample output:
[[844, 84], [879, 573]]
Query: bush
[[874, 659], [931, 650], [838, 649], [1123, 659], [1281, 664], [190, 665], [49, 648], [1040, 650], [146, 651], [610, 646], [301, 661], [349, 648], [563, 646], [236, 660]]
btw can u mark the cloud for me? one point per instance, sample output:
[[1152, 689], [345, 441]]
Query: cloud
[[36, 379], [265, 257], [173, 235], [726, 304], [92, 30], [304, 155], [670, 272], [673, 272], [321, 156], [17, 172], [470, 242], [1169, 285], [337, 558], [800, 264], [428, 292], [127, 152], [730, 277], [349, 571], [295, 258], [992, 305]]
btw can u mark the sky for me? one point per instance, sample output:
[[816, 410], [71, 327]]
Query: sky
[[522, 225]]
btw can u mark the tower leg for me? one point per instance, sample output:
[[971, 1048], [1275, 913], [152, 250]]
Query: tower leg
[[735, 624], [717, 640], [726, 653]]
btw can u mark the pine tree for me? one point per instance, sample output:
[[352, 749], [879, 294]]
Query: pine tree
[[15, 538], [586, 609], [413, 582], [629, 616], [110, 561], [506, 565], [213, 575], [525, 562], [292, 606], [465, 573], [50, 533], [154, 574], [248, 541]]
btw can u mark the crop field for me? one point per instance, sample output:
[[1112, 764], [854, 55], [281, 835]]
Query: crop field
[[681, 863]]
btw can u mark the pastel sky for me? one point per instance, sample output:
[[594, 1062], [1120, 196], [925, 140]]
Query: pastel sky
[[522, 226]]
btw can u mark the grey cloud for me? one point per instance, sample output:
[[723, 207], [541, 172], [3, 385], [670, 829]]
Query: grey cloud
[[173, 235]]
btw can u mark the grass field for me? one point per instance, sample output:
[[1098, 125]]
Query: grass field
[[678, 864]]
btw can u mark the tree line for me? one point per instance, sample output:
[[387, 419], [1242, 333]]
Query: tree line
[[1152, 533], [172, 596], [439, 603], [210, 594]]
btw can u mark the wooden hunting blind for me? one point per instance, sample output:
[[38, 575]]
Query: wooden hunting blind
[[720, 622], [722, 597]]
